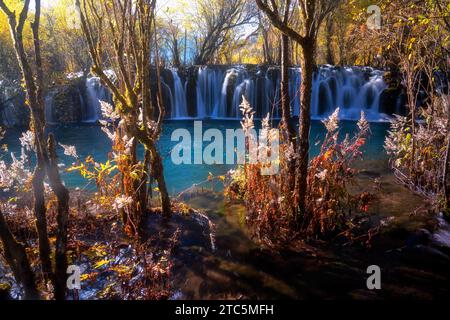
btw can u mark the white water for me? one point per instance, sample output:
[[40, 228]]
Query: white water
[[179, 97], [352, 89], [209, 92], [49, 107], [219, 93], [95, 93]]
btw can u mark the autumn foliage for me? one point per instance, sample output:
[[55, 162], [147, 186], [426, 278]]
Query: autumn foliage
[[273, 212]]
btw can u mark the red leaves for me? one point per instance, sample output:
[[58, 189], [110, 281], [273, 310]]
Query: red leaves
[[272, 204]]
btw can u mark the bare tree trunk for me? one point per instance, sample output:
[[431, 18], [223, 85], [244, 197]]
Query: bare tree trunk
[[62, 218], [157, 166], [307, 66], [41, 219], [17, 259], [285, 99], [143, 188], [158, 174]]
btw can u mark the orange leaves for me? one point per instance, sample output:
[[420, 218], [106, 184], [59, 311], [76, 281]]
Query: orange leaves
[[327, 155]]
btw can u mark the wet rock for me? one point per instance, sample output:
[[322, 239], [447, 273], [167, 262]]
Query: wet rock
[[389, 99], [426, 254], [420, 237], [191, 74], [195, 230]]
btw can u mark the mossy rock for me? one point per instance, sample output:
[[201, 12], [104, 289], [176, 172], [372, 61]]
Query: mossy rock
[[67, 101]]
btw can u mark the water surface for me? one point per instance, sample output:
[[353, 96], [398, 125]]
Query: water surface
[[90, 140]]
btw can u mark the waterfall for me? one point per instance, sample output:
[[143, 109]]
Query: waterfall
[[209, 92], [217, 92], [95, 93], [179, 108], [353, 89], [48, 104]]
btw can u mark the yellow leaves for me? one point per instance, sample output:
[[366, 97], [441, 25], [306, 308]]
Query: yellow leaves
[[96, 251], [88, 276], [411, 44], [135, 175], [121, 270], [183, 208], [106, 168], [102, 263], [91, 170]]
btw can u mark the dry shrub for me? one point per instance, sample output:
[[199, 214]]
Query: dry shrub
[[273, 213], [418, 157]]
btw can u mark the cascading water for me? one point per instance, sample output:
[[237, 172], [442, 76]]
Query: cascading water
[[95, 93], [353, 89], [179, 106], [48, 103], [209, 92], [218, 92]]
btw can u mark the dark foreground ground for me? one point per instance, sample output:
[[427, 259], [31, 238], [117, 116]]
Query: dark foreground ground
[[215, 258], [410, 249]]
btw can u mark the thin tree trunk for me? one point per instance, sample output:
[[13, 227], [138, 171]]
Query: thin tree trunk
[[17, 259], [157, 166], [158, 174], [46, 161], [307, 65], [62, 219], [143, 189], [41, 219], [285, 99]]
